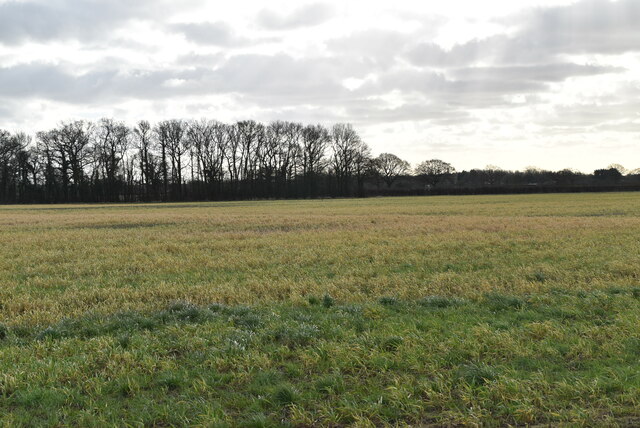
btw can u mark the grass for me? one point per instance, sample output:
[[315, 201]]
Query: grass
[[562, 357], [487, 310]]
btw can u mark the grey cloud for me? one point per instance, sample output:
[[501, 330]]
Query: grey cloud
[[589, 26], [586, 27], [194, 59], [283, 79], [6, 112], [303, 113], [367, 112], [40, 20], [541, 73], [431, 54], [275, 80], [58, 83], [518, 66], [377, 47], [470, 93], [583, 116], [209, 33], [52, 82], [373, 111], [278, 78], [306, 16], [626, 91], [625, 126], [500, 49]]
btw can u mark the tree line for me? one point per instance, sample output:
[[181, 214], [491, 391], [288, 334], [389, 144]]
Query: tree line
[[177, 160]]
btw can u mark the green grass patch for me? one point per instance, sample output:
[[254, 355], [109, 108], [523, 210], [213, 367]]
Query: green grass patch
[[386, 362]]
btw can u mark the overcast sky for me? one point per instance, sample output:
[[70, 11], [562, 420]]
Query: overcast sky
[[544, 83]]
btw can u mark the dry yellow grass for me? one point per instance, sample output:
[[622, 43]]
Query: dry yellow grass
[[63, 261]]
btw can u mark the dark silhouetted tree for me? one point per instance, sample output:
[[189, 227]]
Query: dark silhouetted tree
[[432, 171], [390, 167]]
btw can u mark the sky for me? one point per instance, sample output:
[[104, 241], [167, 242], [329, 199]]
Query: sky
[[551, 84]]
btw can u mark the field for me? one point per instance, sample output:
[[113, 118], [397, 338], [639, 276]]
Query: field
[[436, 311]]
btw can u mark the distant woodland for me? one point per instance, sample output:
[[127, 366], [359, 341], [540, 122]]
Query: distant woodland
[[180, 160]]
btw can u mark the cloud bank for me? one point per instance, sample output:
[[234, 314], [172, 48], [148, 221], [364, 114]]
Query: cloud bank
[[513, 87]]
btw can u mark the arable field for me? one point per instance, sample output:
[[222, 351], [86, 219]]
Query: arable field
[[486, 310]]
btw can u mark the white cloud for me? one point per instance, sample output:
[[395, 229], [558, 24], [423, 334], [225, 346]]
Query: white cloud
[[306, 16], [209, 33]]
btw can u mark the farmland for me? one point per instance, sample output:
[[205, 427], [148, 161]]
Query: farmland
[[428, 310]]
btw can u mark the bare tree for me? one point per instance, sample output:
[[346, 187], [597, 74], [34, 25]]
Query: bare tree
[[363, 165], [76, 143], [291, 151], [315, 140], [620, 168], [232, 155], [173, 145], [9, 149], [68, 153], [221, 135], [80, 161], [111, 145], [345, 146], [432, 171], [177, 148], [269, 154], [45, 149], [207, 141], [493, 174], [162, 131], [249, 133], [390, 167], [200, 137], [143, 137]]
